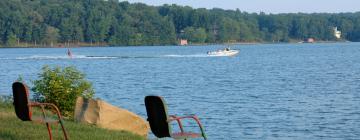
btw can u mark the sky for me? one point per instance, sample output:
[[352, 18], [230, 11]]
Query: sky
[[267, 6]]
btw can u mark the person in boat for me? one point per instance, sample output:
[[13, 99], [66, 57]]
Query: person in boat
[[69, 53], [227, 49]]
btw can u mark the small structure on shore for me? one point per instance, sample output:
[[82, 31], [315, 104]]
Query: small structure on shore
[[310, 40], [183, 42], [337, 33]]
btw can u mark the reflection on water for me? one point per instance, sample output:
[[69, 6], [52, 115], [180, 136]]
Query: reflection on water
[[287, 91]]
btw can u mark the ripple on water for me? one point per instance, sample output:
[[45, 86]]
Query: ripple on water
[[286, 91]]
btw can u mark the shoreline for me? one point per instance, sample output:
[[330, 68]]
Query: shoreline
[[86, 45]]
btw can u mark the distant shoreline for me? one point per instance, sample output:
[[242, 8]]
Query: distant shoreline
[[88, 45]]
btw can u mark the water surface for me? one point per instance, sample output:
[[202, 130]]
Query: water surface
[[269, 91]]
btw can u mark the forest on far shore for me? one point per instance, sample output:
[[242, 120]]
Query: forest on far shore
[[51, 22]]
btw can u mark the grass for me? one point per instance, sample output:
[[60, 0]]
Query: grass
[[12, 128]]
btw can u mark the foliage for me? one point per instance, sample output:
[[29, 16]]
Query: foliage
[[51, 36], [121, 23], [195, 35], [11, 40], [61, 87]]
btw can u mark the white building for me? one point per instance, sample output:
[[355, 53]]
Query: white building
[[337, 33]]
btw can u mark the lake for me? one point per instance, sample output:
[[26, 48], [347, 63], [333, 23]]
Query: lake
[[268, 91]]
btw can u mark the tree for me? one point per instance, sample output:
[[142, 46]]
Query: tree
[[195, 35], [122, 23], [61, 86], [51, 36], [11, 39], [229, 30]]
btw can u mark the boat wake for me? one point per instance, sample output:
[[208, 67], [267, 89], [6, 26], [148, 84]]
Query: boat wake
[[59, 57], [66, 57], [47, 57], [190, 55]]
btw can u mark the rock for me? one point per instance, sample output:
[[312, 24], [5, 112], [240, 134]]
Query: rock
[[107, 116]]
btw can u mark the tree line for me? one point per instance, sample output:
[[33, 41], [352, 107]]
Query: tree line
[[110, 22]]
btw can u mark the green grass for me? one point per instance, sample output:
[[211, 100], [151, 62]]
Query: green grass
[[12, 128]]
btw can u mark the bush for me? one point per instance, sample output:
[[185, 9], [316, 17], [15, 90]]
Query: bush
[[61, 87]]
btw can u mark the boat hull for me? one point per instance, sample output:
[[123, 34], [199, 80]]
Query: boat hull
[[224, 53]]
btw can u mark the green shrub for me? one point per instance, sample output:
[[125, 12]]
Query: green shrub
[[61, 87]]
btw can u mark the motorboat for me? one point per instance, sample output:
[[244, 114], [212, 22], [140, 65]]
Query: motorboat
[[224, 52]]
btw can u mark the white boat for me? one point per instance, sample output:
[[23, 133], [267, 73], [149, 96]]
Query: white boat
[[225, 52]]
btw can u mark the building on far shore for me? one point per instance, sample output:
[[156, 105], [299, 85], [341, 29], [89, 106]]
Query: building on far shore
[[310, 40], [183, 42], [337, 33]]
